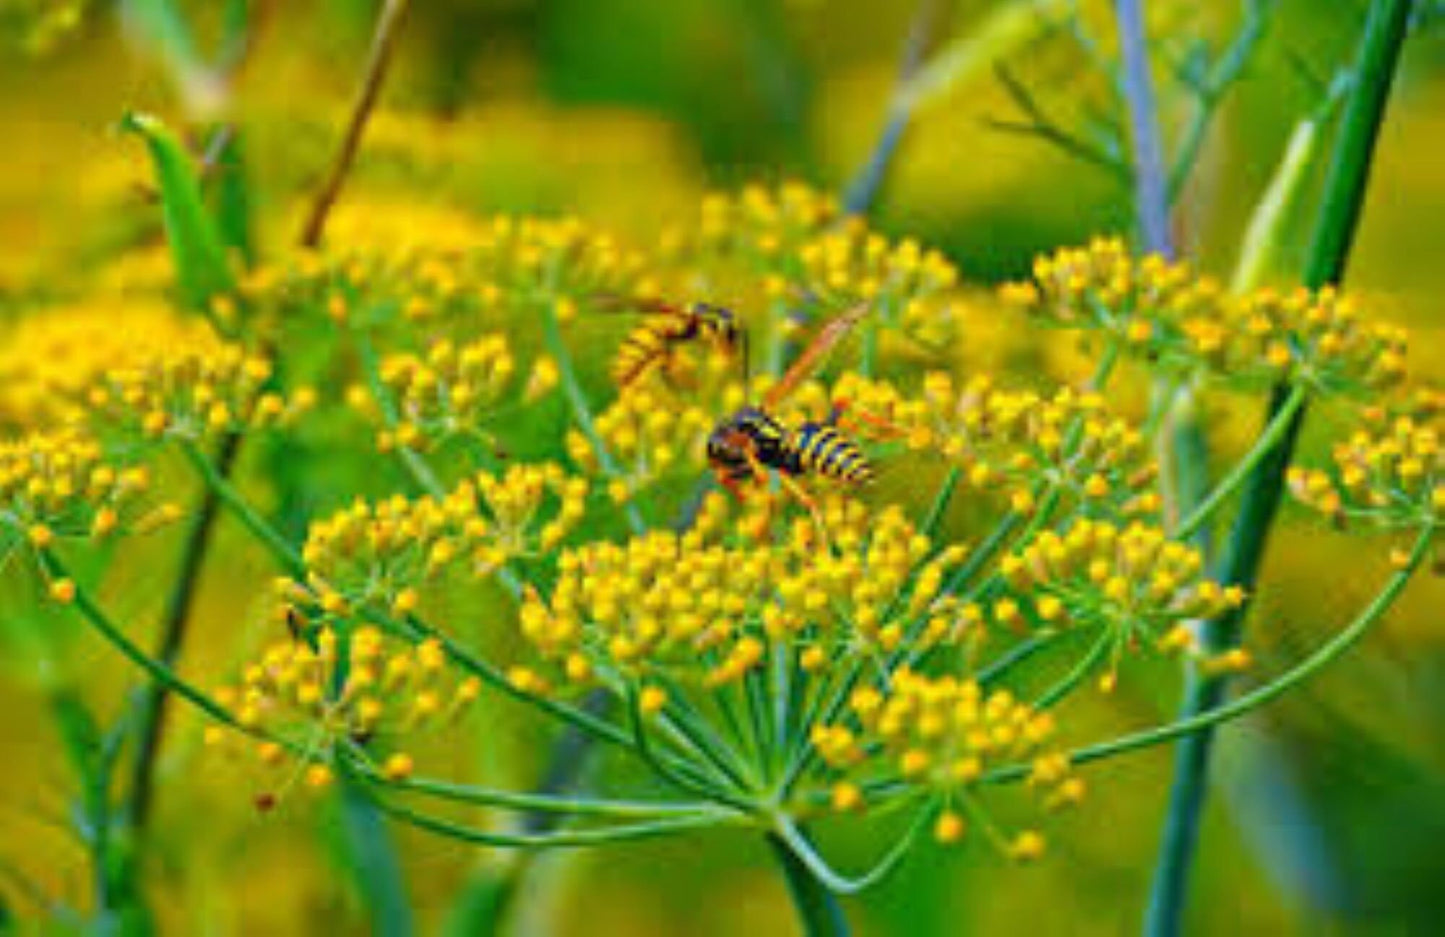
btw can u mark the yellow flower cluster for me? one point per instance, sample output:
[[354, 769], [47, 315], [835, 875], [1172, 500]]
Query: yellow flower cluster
[[50, 358], [1014, 442], [698, 610], [297, 698], [909, 287], [1393, 476], [758, 226], [944, 733], [1133, 581], [61, 483], [455, 390], [192, 394], [379, 555], [654, 430], [1166, 312], [508, 268]]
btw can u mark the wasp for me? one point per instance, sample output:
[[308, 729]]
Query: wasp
[[668, 327], [748, 443]]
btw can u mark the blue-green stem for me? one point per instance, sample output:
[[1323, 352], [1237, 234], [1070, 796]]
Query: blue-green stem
[[1344, 193], [1151, 194], [818, 909]]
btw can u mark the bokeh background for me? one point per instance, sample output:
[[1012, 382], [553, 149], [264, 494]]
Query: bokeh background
[[1329, 807]]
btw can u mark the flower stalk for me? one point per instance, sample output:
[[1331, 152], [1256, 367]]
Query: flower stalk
[[1383, 38]]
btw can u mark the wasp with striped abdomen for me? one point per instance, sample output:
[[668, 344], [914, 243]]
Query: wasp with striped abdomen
[[668, 327], [751, 441]]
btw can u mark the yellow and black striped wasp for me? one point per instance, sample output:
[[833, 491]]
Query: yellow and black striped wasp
[[745, 445], [666, 328]]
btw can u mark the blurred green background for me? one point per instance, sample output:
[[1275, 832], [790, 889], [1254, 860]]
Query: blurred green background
[[1329, 807]]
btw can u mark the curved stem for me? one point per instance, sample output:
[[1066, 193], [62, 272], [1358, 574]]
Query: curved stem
[[840, 884], [817, 907], [1275, 433], [158, 671], [510, 800], [493, 677], [1325, 655], [862, 192], [556, 840]]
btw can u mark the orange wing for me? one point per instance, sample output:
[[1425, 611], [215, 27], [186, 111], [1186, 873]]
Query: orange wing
[[812, 356]]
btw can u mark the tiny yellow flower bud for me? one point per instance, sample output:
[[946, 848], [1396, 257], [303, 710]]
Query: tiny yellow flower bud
[[949, 828], [847, 797], [62, 591], [398, 767], [651, 700]]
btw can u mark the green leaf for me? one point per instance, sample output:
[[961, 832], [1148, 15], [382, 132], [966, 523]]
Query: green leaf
[[231, 199], [200, 256]]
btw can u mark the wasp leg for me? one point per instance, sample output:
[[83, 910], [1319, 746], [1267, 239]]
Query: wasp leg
[[731, 484], [791, 486]]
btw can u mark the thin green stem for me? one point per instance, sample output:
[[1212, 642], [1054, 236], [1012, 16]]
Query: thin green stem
[[494, 678], [1327, 653], [511, 800], [158, 671], [151, 707], [581, 410], [561, 839], [1081, 669], [1275, 433], [929, 525], [267, 535]]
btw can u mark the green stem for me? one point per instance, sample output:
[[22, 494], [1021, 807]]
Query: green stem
[[158, 671], [1343, 200], [510, 800], [282, 550], [1081, 669], [1189, 726], [818, 909], [939, 507], [581, 411], [1274, 434], [151, 707], [561, 839]]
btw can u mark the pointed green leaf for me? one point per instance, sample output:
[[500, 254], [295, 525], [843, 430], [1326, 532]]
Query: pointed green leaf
[[202, 271]]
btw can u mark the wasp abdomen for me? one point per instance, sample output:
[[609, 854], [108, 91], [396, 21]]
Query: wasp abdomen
[[820, 448]]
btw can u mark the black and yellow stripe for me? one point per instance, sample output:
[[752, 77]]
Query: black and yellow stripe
[[667, 327], [821, 449]]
